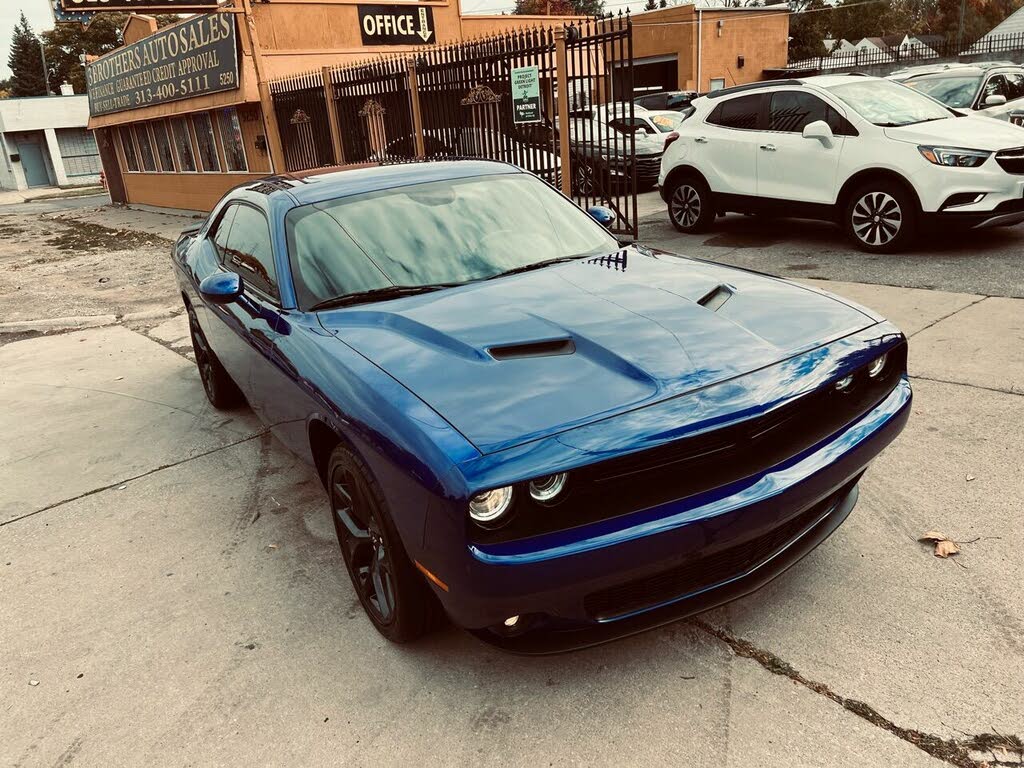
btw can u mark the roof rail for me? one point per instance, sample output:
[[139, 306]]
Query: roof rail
[[750, 87]]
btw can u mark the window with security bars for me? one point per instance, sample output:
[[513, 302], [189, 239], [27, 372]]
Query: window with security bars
[[79, 151]]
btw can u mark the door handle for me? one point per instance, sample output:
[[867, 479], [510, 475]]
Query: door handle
[[700, 140], [768, 147]]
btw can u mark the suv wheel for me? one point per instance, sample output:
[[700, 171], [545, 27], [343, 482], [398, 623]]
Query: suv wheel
[[880, 217], [690, 205]]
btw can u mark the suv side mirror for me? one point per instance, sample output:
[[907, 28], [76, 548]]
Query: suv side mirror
[[221, 287], [994, 100], [819, 130]]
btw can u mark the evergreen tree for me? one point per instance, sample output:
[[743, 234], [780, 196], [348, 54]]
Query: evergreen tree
[[26, 62], [651, 5]]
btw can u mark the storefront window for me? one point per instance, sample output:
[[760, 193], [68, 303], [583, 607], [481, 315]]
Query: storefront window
[[231, 139], [128, 148], [145, 148], [203, 126], [183, 145], [163, 146]]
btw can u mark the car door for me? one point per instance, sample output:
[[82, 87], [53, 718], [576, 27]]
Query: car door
[[790, 167], [252, 319], [725, 145]]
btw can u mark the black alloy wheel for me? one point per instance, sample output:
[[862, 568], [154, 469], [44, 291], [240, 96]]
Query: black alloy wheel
[[217, 384], [393, 594]]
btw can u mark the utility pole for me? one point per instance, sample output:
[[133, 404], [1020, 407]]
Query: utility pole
[[46, 70]]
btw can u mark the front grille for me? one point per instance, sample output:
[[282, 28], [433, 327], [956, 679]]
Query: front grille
[[1011, 160], [702, 572], [698, 464], [648, 165]]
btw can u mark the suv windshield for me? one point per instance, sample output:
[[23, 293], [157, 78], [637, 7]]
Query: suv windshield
[[955, 92], [438, 233], [886, 103]]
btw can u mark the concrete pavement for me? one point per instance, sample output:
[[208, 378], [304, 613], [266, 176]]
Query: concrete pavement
[[169, 578]]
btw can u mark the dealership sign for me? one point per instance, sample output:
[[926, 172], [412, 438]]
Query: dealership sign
[[193, 58], [396, 24], [141, 6]]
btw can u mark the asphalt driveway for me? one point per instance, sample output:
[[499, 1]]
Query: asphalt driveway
[[171, 593]]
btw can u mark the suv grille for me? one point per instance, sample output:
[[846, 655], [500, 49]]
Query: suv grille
[[1011, 160], [648, 166]]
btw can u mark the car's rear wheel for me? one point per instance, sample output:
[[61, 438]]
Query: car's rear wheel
[[394, 596], [690, 205], [880, 217], [220, 389]]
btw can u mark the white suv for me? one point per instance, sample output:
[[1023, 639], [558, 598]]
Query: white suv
[[880, 159]]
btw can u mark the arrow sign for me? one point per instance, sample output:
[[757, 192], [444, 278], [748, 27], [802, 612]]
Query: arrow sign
[[425, 31], [408, 25]]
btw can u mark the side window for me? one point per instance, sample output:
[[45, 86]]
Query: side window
[[1015, 85], [996, 86], [220, 235], [790, 111], [249, 250], [740, 112]]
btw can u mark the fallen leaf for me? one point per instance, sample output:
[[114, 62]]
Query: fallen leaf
[[945, 548], [932, 536]]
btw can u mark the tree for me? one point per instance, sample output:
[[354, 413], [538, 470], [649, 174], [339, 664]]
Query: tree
[[65, 44], [5, 88], [651, 5], [808, 29], [559, 7], [26, 62]]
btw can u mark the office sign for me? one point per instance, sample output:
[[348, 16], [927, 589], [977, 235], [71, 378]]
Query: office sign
[[396, 24], [525, 95], [139, 6], [193, 58]]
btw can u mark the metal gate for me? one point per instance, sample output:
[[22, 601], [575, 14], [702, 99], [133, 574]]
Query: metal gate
[[456, 101]]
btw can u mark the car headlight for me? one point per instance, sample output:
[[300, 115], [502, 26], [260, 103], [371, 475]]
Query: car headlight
[[952, 156], [877, 366], [489, 506], [546, 489]]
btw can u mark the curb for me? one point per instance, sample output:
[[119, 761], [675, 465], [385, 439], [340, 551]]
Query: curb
[[77, 323]]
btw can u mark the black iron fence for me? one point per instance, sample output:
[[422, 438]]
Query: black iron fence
[[456, 101], [911, 51]]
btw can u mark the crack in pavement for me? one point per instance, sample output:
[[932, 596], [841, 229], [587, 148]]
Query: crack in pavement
[[953, 751], [147, 473], [946, 317], [997, 390]]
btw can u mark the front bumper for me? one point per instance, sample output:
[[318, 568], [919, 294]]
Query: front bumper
[[1003, 194], [1006, 214], [552, 584]]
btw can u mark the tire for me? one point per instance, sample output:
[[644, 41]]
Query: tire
[[691, 205], [394, 596], [220, 390], [880, 217]]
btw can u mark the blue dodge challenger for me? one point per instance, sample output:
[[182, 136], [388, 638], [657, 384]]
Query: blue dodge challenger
[[552, 438]]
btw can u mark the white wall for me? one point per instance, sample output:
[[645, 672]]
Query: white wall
[[41, 113]]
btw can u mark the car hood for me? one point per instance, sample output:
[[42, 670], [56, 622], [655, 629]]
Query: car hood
[[974, 132], [514, 359]]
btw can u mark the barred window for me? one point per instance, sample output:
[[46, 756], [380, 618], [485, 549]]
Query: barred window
[[79, 151]]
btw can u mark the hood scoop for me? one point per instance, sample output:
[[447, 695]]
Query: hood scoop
[[547, 348], [716, 297]]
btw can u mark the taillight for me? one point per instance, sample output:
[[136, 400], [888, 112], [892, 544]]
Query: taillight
[[670, 138]]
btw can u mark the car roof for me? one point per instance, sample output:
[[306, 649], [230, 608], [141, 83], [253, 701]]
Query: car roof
[[344, 181]]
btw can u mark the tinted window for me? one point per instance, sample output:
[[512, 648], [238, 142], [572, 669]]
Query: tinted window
[[996, 86], [220, 235], [791, 111], [1015, 85], [145, 148], [128, 147], [203, 127], [183, 145], [740, 112], [231, 139], [163, 146], [653, 102], [249, 250]]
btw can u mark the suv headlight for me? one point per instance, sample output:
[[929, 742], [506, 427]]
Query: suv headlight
[[954, 157]]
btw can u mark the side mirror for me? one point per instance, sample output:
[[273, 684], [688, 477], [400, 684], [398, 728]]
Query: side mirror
[[819, 130], [221, 287], [994, 100], [602, 215]]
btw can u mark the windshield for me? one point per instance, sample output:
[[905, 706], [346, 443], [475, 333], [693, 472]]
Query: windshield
[[667, 123], [957, 92], [884, 102], [443, 232]]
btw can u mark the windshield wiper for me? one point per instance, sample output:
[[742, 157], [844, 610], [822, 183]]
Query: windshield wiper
[[379, 294], [535, 265]]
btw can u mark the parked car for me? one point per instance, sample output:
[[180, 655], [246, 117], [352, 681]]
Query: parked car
[[882, 160], [674, 100], [992, 90], [603, 159], [554, 439], [653, 123]]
